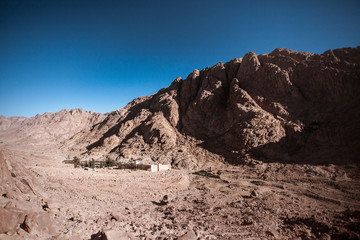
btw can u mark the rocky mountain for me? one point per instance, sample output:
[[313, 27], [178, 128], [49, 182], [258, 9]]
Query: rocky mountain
[[283, 106], [46, 130]]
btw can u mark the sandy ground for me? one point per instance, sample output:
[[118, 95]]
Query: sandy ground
[[255, 201]]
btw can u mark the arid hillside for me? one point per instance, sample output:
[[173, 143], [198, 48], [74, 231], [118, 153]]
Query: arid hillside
[[283, 106], [46, 130]]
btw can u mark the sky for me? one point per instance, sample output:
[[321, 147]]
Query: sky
[[99, 55]]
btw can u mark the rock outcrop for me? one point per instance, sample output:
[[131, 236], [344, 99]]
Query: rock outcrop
[[22, 201], [113, 235], [282, 106]]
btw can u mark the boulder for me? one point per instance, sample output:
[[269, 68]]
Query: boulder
[[113, 235], [9, 221], [40, 223], [190, 235], [118, 216]]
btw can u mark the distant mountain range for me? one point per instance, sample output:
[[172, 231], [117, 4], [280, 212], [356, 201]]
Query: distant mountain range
[[47, 130]]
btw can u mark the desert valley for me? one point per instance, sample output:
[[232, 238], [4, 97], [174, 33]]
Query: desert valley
[[261, 147]]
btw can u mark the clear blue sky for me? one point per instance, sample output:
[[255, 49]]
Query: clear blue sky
[[99, 55]]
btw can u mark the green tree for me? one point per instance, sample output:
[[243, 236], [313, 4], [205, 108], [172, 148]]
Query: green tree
[[92, 163], [76, 161], [109, 162]]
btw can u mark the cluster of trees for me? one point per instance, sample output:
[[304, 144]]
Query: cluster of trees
[[101, 164], [92, 163]]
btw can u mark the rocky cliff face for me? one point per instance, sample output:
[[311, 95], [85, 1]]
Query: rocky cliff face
[[282, 106], [45, 130]]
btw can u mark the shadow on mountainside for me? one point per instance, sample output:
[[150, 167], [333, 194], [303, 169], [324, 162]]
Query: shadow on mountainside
[[133, 112], [316, 145], [307, 154]]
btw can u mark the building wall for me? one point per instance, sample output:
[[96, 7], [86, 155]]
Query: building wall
[[154, 168], [164, 167]]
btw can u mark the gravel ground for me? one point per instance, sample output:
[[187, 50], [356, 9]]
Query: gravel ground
[[254, 201]]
